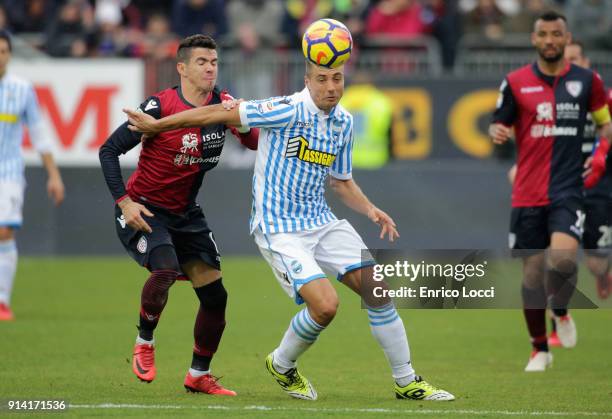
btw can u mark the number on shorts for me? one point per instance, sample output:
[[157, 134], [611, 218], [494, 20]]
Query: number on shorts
[[606, 237], [580, 216]]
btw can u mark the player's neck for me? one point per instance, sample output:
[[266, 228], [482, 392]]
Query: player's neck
[[551, 69], [196, 97], [2, 73]]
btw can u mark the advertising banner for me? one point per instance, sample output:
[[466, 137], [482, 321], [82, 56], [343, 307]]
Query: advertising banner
[[81, 104]]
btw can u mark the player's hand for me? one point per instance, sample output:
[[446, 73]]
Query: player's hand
[[132, 214], [230, 104], [385, 221], [595, 165], [55, 189], [141, 122], [499, 133]]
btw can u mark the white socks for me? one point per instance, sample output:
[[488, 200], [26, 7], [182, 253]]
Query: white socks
[[141, 341], [197, 373], [302, 332], [388, 329], [8, 266]]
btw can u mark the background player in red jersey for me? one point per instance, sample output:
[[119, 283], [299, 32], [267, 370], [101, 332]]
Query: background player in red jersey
[[597, 196], [597, 239], [157, 219], [546, 103]]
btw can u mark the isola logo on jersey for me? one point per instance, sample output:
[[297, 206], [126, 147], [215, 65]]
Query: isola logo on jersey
[[299, 148]]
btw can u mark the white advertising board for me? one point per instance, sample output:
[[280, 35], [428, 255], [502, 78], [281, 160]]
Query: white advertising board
[[81, 102]]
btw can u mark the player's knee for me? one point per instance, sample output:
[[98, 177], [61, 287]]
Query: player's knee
[[6, 233], [324, 311], [212, 296], [565, 265], [598, 266], [163, 258], [533, 278], [155, 290]]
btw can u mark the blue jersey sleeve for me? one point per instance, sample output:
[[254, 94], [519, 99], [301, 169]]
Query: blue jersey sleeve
[[343, 164], [270, 113], [31, 111]]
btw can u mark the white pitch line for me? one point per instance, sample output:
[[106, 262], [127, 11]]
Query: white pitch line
[[341, 410]]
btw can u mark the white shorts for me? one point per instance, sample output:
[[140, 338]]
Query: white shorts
[[300, 257], [11, 202]]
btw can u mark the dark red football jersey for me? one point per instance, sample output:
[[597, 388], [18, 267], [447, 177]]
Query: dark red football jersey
[[172, 164], [549, 115]]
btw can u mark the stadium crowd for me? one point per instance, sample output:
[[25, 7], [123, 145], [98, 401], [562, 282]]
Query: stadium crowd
[[152, 28]]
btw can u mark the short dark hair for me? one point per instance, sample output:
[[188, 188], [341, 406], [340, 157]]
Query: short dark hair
[[194, 41], [551, 16], [7, 37]]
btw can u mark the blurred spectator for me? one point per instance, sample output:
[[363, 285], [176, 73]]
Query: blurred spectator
[[191, 17], [255, 26], [485, 19], [255, 23], [507, 7], [111, 36], [71, 31], [445, 21], [591, 21], [138, 12], [301, 13], [4, 23], [523, 21], [157, 42], [353, 14], [396, 18], [29, 15]]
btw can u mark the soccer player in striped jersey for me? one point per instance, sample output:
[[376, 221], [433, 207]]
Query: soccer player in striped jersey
[[18, 106], [305, 139]]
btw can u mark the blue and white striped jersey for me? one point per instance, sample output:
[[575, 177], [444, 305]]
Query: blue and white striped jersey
[[18, 106], [299, 145]]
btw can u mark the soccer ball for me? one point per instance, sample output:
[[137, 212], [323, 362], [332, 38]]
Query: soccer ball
[[327, 43]]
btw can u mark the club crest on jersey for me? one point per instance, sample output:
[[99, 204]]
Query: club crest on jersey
[[299, 148], [574, 87], [141, 246], [190, 143], [544, 111]]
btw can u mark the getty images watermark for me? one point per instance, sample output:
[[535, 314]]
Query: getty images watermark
[[434, 279], [412, 271]]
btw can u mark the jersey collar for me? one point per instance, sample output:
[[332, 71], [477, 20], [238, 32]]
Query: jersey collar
[[547, 78], [312, 108], [186, 102]]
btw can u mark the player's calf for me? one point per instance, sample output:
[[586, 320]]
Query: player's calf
[[153, 300], [209, 326]]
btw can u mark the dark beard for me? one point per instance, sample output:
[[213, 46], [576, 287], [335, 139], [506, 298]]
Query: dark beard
[[553, 59]]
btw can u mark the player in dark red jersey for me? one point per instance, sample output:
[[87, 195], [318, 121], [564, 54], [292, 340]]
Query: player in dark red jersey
[[597, 196], [157, 219], [547, 103], [597, 238]]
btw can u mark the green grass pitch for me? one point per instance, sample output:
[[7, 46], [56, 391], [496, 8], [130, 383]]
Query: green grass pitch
[[76, 322]]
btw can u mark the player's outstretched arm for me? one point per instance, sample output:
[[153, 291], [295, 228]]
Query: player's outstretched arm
[[197, 117], [353, 197]]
